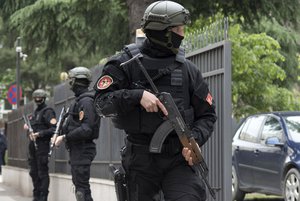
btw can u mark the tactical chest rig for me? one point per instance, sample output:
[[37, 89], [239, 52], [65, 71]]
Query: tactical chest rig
[[169, 74], [37, 121]]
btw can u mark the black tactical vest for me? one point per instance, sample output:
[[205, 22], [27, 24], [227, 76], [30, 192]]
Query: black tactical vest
[[168, 74], [73, 120], [38, 120]]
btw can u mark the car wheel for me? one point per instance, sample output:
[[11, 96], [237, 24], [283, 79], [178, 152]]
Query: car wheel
[[237, 194], [292, 185]]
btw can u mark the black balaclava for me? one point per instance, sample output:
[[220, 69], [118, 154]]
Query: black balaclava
[[166, 39], [79, 86], [39, 102]]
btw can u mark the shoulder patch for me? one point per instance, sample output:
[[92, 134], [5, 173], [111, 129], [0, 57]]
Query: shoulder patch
[[53, 121], [209, 99], [81, 115], [104, 82]]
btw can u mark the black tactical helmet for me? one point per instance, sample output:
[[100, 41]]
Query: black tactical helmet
[[80, 73], [163, 14], [39, 93]]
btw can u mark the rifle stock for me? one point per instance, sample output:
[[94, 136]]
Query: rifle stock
[[62, 117]]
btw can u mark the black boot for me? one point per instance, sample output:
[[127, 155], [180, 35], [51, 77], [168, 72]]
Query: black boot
[[36, 196], [43, 197]]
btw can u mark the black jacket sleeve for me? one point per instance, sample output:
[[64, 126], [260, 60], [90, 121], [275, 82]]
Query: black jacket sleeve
[[203, 104], [118, 97]]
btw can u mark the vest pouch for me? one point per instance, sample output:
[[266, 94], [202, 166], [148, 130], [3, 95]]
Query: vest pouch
[[129, 122], [150, 121], [138, 121], [38, 122]]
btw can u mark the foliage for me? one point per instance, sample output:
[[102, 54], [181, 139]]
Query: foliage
[[8, 76], [256, 73], [71, 34], [258, 69], [289, 41], [74, 25], [7, 71], [248, 11], [60, 34]]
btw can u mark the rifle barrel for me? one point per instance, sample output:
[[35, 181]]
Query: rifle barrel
[[62, 116]]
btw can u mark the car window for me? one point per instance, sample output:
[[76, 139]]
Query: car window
[[251, 129], [271, 128], [237, 133], [293, 126]]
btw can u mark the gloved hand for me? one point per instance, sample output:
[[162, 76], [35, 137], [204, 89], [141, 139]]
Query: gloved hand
[[59, 140]]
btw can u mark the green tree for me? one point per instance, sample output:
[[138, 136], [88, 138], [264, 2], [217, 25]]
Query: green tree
[[101, 27], [59, 34], [256, 73], [289, 40], [71, 34], [89, 27], [7, 65]]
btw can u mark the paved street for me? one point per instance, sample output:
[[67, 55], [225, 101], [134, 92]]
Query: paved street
[[8, 193]]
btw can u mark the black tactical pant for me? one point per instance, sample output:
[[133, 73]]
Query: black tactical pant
[[80, 178], [81, 156], [39, 171], [148, 174]]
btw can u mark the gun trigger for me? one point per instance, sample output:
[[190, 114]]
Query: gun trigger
[[162, 115]]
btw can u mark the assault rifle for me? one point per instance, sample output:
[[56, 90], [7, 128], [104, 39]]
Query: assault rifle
[[63, 114], [174, 121], [30, 130]]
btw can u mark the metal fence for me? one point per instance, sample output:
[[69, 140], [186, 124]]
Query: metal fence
[[108, 144], [211, 52]]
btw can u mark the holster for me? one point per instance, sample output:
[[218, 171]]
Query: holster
[[120, 183]]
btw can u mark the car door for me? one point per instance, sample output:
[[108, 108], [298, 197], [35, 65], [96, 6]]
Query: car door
[[269, 158], [244, 144]]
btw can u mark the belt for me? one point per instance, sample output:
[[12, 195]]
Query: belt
[[172, 148], [80, 142]]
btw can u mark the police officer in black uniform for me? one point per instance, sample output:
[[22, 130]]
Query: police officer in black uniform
[[123, 92], [80, 129], [3, 147], [43, 122]]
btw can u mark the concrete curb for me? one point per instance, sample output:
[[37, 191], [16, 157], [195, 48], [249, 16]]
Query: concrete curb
[[61, 187]]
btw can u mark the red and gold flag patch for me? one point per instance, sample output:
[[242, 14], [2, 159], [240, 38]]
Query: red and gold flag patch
[[209, 98], [104, 82]]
